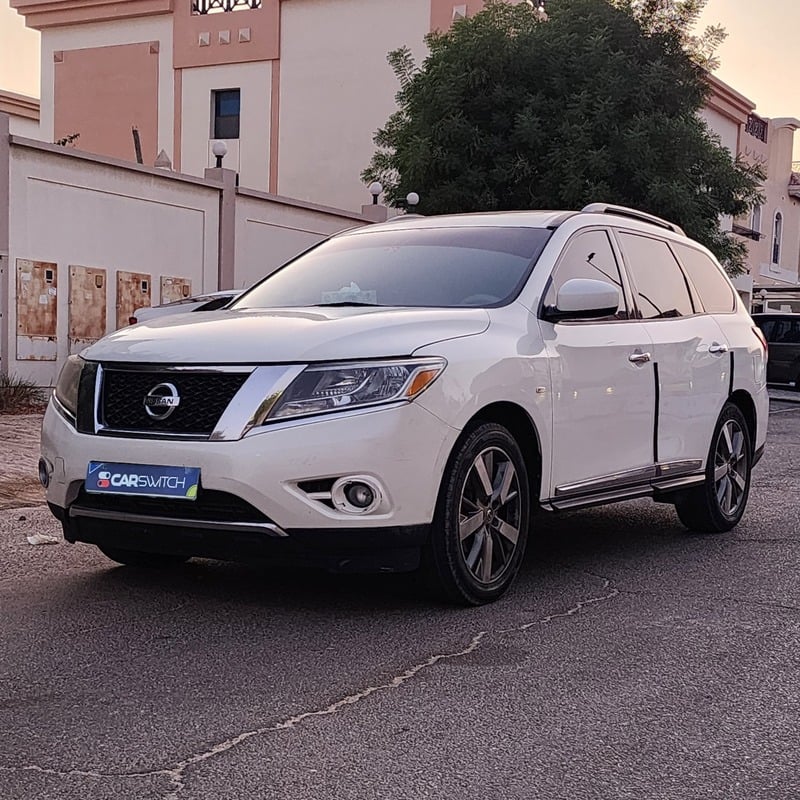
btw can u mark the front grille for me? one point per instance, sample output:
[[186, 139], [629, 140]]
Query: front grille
[[209, 505], [203, 398]]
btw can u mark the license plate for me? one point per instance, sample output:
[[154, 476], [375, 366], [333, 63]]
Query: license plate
[[144, 480]]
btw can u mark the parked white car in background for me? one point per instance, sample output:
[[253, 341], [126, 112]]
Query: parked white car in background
[[408, 394], [212, 301]]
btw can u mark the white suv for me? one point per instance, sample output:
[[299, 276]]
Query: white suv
[[407, 395]]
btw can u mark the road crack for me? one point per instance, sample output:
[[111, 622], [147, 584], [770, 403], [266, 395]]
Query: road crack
[[176, 774]]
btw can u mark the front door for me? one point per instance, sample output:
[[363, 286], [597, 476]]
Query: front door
[[602, 382]]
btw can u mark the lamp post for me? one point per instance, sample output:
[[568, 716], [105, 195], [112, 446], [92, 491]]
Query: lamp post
[[412, 201], [375, 189], [220, 150]]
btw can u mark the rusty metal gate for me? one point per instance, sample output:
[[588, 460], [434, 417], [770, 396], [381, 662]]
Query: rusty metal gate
[[173, 289], [87, 306], [133, 291], [37, 310]]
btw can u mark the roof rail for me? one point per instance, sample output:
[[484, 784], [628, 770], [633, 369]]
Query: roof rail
[[632, 213]]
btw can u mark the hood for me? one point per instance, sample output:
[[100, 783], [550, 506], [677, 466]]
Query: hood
[[285, 335]]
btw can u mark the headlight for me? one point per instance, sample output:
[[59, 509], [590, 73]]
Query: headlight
[[68, 382], [340, 387]]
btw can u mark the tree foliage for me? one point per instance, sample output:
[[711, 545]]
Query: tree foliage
[[598, 102]]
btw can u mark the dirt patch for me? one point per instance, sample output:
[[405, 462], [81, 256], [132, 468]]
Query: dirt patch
[[19, 456]]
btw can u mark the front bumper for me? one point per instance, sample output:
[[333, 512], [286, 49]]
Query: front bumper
[[258, 507]]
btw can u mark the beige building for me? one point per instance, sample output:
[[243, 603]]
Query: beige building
[[23, 113], [772, 230], [295, 88]]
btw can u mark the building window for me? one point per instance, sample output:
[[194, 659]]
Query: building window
[[755, 221], [776, 238], [227, 104], [221, 6]]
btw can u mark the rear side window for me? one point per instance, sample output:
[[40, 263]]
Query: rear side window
[[715, 292], [660, 288]]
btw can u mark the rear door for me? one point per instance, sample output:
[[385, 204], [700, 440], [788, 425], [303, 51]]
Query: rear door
[[691, 353]]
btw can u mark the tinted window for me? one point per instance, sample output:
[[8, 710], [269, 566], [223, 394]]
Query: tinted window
[[214, 304], [715, 292], [785, 331], [401, 266], [588, 255], [767, 326], [227, 104], [660, 288]]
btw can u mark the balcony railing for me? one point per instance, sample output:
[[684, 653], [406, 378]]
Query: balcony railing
[[221, 6], [757, 127]]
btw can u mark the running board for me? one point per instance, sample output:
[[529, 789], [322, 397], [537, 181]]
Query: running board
[[657, 488]]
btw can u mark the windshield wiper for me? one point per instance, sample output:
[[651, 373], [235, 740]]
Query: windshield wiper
[[344, 303]]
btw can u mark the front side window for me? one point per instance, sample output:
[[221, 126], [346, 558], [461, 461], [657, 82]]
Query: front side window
[[227, 107], [425, 267], [715, 291], [588, 255], [660, 288]]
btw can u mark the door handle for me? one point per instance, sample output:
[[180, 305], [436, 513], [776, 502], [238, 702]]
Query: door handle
[[639, 358], [716, 347]]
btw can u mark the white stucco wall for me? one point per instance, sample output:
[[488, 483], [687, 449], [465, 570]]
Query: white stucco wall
[[22, 126], [105, 34], [728, 132], [726, 128], [337, 89], [249, 155], [269, 232], [76, 211]]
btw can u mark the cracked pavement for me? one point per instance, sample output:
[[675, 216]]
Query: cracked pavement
[[631, 661]]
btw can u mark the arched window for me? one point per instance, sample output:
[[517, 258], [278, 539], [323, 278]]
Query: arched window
[[776, 238]]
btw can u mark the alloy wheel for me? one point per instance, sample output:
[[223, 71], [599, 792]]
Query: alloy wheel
[[489, 515], [730, 467]]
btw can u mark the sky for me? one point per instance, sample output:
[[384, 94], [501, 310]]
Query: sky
[[759, 58]]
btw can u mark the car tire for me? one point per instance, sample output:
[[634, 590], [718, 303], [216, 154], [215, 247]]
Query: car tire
[[139, 558], [718, 505], [481, 524]]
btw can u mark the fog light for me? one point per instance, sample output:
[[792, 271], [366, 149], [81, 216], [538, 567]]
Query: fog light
[[359, 495], [44, 473], [356, 494]]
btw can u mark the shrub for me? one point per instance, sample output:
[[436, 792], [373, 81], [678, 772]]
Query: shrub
[[18, 395]]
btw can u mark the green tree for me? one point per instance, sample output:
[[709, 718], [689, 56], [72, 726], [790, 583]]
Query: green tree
[[597, 102]]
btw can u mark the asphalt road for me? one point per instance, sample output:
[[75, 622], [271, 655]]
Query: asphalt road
[[631, 661]]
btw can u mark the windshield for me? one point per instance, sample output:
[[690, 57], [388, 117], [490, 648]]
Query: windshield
[[435, 267]]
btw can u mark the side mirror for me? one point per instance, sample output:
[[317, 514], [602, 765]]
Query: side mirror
[[584, 298]]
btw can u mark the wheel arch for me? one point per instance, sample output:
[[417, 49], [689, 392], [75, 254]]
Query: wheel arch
[[744, 402], [520, 425]]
